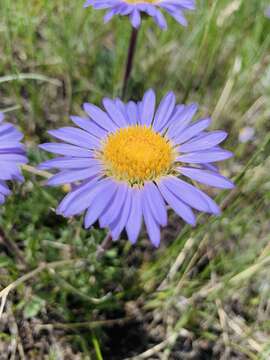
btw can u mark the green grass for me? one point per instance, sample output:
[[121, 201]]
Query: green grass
[[205, 293]]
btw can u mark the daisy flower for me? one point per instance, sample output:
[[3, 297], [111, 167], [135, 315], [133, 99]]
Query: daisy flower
[[129, 161], [12, 155], [134, 8]]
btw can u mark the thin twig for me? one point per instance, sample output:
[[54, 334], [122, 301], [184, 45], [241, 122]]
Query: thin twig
[[85, 324], [192, 262], [48, 266], [30, 76], [241, 329], [35, 171], [11, 247], [14, 330], [80, 294], [44, 266], [10, 108], [169, 341], [156, 349], [178, 263], [235, 280], [105, 245], [223, 324]]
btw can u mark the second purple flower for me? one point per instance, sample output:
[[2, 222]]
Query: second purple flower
[[134, 9]]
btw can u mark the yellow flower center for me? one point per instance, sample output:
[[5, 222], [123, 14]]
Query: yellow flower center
[[137, 154]]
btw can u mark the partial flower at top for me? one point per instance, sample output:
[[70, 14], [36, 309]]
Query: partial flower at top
[[134, 8], [267, 12], [129, 161], [12, 155]]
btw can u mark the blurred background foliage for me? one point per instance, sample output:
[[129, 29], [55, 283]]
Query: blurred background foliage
[[205, 293]]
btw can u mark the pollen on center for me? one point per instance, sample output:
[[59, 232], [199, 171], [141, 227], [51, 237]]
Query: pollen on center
[[137, 154]]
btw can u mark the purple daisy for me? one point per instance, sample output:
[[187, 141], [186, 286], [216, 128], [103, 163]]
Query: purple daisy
[[127, 163], [12, 155], [134, 8]]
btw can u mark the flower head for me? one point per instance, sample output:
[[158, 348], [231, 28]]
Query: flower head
[[134, 8], [12, 155], [131, 160]]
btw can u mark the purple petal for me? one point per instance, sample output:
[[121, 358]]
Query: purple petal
[[84, 199], [76, 137], [104, 4], [160, 20], [152, 227], [9, 170], [88, 3], [103, 198], [89, 126], [12, 151], [209, 166], [11, 134], [135, 18], [6, 128], [213, 208], [139, 107], [134, 222], [191, 131], [75, 194], [178, 110], [207, 177], [124, 8], [207, 156], [118, 225], [100, 117], [68, 163], [132, 113], [121, 106], [148, 108], [16, 158], [181, 118], [177, 15], [2, 199], [11, 146], [18, 177], [65, 149], [4, 189], [204, 142], [164, 111], [116, 206], [115, 113], [183, 210], [183, 4], [109, 15], [147, 8], [187, 193], [155, 203], [70, 176]]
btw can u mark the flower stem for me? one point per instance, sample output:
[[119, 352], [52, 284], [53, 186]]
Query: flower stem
[[105, 245], [34, 171], [129, 62]]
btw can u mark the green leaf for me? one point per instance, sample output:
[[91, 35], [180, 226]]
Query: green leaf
[[33, 307]]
